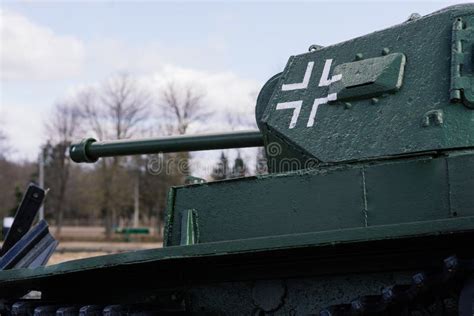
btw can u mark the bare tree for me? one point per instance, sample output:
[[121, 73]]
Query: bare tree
[[125, 105], [61, 127], [115, 111], [3, 143], [3, 139], [62, 124], [182, 106], [179, 106]]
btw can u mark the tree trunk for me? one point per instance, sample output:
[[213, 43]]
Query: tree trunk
[[106, 196], [63, 180], [136, 204]]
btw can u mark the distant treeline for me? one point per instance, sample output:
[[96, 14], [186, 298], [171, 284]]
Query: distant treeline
[[110, 191]]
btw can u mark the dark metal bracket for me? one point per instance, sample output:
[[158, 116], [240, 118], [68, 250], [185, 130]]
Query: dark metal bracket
[[25, 248]]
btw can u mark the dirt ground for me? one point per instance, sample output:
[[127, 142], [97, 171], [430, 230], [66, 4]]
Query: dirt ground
[[97, 233], [67, 251], [59, 257], [84, 242]]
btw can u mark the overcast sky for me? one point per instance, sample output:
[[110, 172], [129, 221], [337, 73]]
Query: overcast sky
[[51, 49]]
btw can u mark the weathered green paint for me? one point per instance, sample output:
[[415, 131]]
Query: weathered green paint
[[391, 124], [335, 197], [253, 245], [189, 228], [369, 77], [169, 219], [462, 64]]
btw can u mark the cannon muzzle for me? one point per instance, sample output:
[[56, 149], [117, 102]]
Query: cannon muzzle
[[90, 150]]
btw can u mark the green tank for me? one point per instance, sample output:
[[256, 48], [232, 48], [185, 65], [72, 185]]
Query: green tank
[[367, 209]]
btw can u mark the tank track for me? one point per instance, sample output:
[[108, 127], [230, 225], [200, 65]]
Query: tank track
[[449, 290], [38, 307]]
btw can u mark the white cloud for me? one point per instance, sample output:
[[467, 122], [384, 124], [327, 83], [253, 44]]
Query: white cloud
[[30, 51], [229, 98], [109, 55], [24, 129]]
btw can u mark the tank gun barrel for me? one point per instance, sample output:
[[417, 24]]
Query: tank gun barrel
[[90, 150]]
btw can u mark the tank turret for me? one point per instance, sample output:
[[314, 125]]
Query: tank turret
[[396, 92]]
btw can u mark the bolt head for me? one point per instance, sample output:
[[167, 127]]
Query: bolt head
[[413, 17]]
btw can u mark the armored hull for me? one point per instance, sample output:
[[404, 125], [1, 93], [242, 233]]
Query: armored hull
[[367, 210]]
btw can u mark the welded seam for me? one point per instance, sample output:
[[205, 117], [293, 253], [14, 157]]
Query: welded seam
[[365, 210], [449, 186]]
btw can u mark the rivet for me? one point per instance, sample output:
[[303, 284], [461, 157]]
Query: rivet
[[315, 47], [356, 304], [418, 279], [385, 51], [413, 17], [347, 105], [359, 56], [374, 100]]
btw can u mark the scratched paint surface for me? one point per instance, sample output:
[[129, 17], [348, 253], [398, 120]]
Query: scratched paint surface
[[328, 199], [305, 115]]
